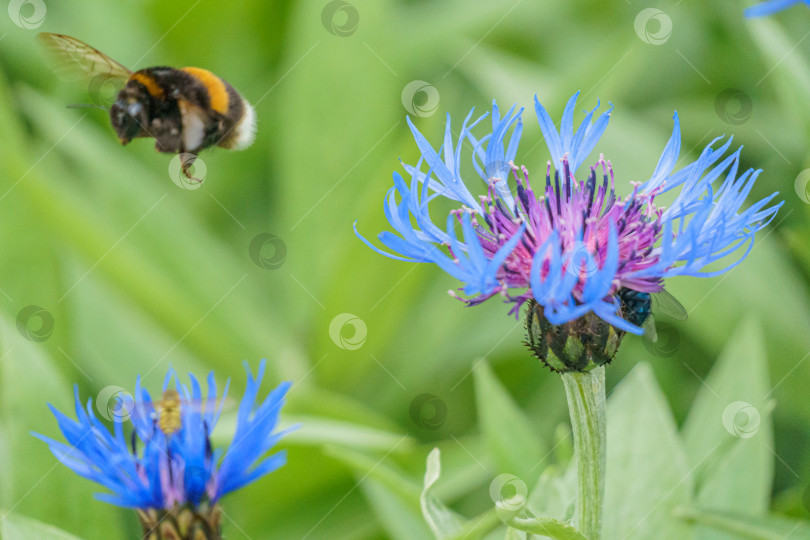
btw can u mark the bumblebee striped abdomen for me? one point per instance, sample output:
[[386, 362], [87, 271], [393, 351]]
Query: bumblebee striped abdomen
[[216, 88], [236, 127]]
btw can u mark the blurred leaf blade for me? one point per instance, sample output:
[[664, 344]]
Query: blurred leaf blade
[[745, 526], [735, 396], [17, 527], [647, 469], [509, 434], [441, 520]]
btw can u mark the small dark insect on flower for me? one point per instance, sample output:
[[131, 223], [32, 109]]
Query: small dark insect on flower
[[639, 307], [185, 110]]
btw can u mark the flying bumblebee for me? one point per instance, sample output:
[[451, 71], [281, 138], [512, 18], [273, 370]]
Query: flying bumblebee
[[185, 110]]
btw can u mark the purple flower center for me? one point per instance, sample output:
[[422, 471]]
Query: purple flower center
[[581, 213]]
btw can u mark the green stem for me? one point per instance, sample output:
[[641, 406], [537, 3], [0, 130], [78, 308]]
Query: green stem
[[586, 405]]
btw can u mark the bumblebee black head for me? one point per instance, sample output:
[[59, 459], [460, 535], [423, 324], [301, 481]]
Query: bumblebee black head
[[129, 116]]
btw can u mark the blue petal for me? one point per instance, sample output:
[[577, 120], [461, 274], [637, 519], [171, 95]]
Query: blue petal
[[669, 157], [769, 8], [550, 133], [590, 138]]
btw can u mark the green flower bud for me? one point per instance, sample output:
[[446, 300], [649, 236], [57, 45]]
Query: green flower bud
[[578, 345], [182, 522]]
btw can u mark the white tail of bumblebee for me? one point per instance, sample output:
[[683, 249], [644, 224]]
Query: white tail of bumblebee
[[246, 128]]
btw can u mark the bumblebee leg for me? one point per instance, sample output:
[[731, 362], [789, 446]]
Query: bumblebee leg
[[188, 161]]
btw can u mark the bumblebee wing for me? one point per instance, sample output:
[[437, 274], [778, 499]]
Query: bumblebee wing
[[665, 304], [74, 59], [207, 404], [649, 329]]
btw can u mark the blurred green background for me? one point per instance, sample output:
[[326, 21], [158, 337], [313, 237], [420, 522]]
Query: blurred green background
[[137, 273]]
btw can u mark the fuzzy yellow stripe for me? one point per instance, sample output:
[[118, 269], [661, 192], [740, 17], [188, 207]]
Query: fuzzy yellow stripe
[[217, 92], [151, 85]]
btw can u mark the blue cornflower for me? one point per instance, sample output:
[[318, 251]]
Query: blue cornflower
[[575, 248], [772, 6], [169, 469]]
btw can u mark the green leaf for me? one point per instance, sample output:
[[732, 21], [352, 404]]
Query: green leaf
[[743, 526], [315, 431], [555, 494], [546, 527], [400, 498], [728, 433], [374, 467], [443, 522], [17, 527], [647, 471], [392, 495], [479, 526], [509, 434], [395, 514], [514, 534]]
